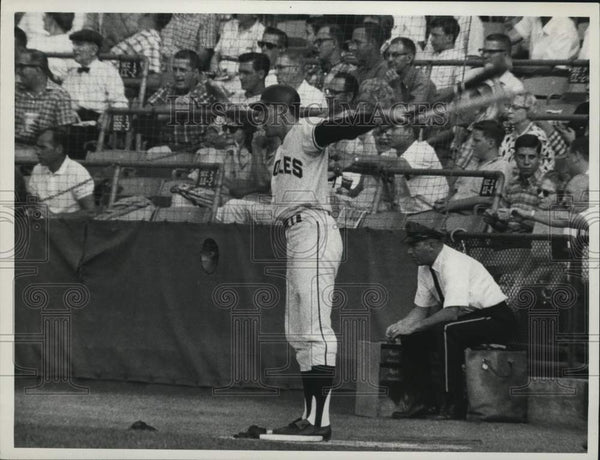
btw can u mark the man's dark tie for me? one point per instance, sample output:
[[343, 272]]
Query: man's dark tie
[[83, 69], [436, 282]]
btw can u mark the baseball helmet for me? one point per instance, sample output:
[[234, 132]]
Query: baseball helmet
[[280, 94]]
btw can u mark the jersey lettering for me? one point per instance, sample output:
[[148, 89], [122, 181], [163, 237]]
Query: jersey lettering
[[290, 166]]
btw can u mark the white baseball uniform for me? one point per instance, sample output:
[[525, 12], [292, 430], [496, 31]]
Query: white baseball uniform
[[314, 245]]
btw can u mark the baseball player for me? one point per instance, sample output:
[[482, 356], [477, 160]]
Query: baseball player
[[314, 247]]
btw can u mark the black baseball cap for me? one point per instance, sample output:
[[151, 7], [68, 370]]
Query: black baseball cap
[[416, 232], [87, 35]]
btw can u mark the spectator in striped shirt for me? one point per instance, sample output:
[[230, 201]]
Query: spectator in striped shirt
[[147, 42], [39, 102]]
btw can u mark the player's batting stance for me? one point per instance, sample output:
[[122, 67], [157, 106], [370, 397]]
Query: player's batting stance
[[314, 248]]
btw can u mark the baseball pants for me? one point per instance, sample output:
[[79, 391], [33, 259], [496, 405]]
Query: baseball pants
[[314, 251]]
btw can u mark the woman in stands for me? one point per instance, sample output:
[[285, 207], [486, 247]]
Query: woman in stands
[[518, 120]]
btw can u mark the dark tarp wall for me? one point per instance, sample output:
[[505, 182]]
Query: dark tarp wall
[[131, 301]]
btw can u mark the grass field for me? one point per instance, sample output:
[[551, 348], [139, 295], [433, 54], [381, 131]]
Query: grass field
[[192, 418]]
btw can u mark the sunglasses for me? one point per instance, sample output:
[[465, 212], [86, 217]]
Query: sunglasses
[[267, 45], [545, 193], [516, 107], [393, 55]]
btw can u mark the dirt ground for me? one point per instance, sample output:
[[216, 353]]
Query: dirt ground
[[194, 418]]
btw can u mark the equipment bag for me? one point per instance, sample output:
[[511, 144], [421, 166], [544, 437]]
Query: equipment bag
[[490, 376]]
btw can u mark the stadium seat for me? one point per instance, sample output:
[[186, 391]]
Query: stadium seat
[[193, 214], [145, 186], [546, 87]]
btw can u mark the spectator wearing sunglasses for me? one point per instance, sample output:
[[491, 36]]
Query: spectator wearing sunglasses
[[409, 83], [274, 42], [329, 42], [239, 164]]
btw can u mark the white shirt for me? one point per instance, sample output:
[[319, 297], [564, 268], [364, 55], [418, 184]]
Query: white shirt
[[445, 76], [299, 178], [33, 25], [584, 52], [311, 96], [471, 35], [239, 98], [61, 190], [412, 27], [558, 39], [234, 42], [271, 78], [464, 282], [421, 155], [97, 90], [55, 44]]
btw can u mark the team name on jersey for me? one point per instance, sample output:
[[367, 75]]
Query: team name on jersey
[[288, 165]]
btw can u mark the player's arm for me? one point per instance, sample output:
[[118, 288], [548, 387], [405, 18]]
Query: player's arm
[[348, 127]]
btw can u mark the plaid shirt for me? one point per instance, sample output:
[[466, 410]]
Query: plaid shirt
[[523, 193], [414, 86], [189, 31], [145, 43], [36, 112], [190, 130], [340, 67], [375, 70]]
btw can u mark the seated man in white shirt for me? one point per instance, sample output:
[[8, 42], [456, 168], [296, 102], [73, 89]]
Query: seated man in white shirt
[[457, 305], [444, 31], [94, 86], [61, 184], [486, 138], [416, 193], [290, 72]]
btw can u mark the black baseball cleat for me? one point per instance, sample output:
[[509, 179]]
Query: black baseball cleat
[[303, 429]]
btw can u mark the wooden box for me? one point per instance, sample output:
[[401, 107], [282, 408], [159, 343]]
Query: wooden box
[[379, 386]]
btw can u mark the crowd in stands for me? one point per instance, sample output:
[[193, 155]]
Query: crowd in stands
[[338, 65]]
